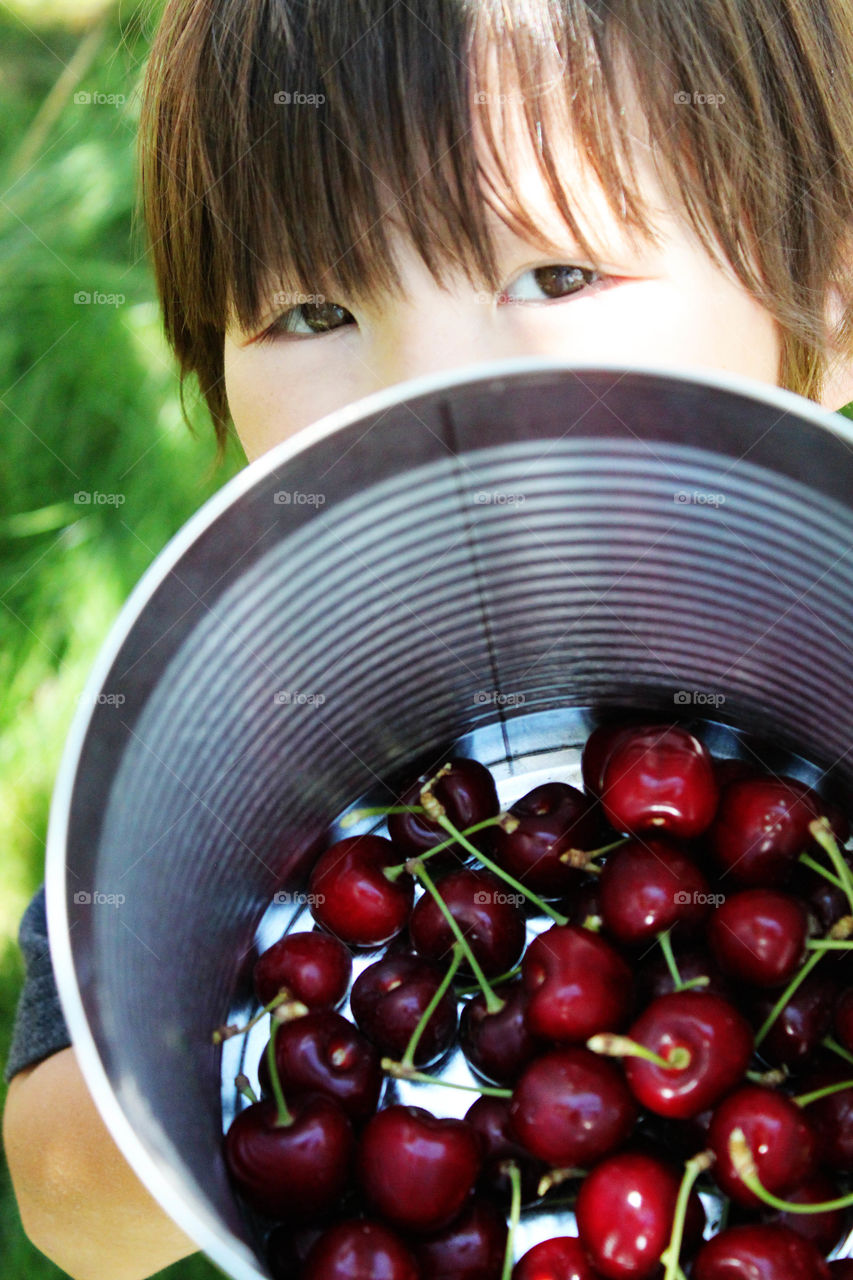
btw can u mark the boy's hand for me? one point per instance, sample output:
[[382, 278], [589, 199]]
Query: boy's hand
[[80, 1202]]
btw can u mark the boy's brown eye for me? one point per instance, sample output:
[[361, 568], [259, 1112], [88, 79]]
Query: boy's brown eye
[[559, 281], [308, 318]]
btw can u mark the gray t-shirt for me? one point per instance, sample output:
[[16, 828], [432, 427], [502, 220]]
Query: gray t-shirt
[[39, 1028]]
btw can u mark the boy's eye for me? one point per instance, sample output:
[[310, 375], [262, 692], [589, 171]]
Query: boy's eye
[[556, 281], [308, 318]]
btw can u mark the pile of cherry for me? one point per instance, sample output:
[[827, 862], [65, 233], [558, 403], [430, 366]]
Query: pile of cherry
[[684, 1022]]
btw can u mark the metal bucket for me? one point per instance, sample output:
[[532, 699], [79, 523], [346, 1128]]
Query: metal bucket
[[489, 557]]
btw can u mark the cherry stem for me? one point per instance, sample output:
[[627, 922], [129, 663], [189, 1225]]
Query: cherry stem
[[244, 1088], [680, 985], [408, 1058], [400, 1071], [377, 811], [828, 944], [226, 1032], [499, 871], [786, 995], [511, 1170], [581, 859], [671, 1255], [822, 832], [496, 982], [744, 1166], [494, 1004], [284, 1118], [805, 1099], [392, 873], [614, 1046], [835, 1047], [556, 1178], [810, 862]]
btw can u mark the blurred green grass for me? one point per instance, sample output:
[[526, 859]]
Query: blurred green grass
[[88, 398]]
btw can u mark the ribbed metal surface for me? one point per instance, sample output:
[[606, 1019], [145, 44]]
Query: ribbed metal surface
[[522, 551]]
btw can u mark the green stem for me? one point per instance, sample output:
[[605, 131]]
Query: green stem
[[377, 811], [744, 1166], [822, 832], [284, 1117], [829, 944], [408, 1058], [805, 1099], [241, 1083], [671, 1255], [402, 1072], [571, 859], [514, 1217], [226, 1032], [494, 1004], [496, 982], [392, 873], [499, 871], [786, 995], [835, 1047], [615, 1046], [666, 947], [808, 861]]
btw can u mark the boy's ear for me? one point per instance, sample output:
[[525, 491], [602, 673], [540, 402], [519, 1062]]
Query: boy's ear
[[838, 384]]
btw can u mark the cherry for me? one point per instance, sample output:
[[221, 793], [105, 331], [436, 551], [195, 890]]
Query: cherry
[[353, 898], [596, 753], [823, 1229], [584, 903], [832, 1117], [551, 819], [388, 999], [572, 1108], [708, 1042], [471, 1248], [560, 1258], [655, 979], [288, 1246], [759, 936], [659, 778], [577, 985], [291, 1170], [759, 1252], [842, 1269], [843, 1019], [498, 1045], [323, 1052], [416, 1170], [360, 1250], [491, 1118], [464, 788], [760, 830], [778, 1135], [625, 1210], [314, 968], [647, 887], [486, 912], [801, 1024]]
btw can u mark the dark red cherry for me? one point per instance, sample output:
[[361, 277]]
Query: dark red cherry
[[596, 752], [498, 1045], [471, 1248], [416, 1170], [570, 1108], [577, 984], [293, 1171], [560, 1258], [832, 1117], [351, 896], [778, 1134], [647, 887], [486, 910], [314, 967], [759, 1252], [466, 791], [583, 904], [759, 936], [491, 1118], [659, 778], [760, 830], [360, 1250], [288, 1245], [714, 1041], [388, 999], [841, 1269], [552, 819], [823, 1229], [834, 814], [655, 979], [799, 1028], [843, 1019], [324, 1053], [624, 1211]]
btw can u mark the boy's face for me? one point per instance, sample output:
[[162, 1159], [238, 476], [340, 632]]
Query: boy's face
[[667, 304]]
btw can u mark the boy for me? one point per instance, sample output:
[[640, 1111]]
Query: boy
[[343, 194]]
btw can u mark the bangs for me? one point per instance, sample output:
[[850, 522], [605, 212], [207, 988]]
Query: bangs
[[320, 132]]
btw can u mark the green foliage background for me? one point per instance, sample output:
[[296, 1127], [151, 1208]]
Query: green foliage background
[[88, 402]]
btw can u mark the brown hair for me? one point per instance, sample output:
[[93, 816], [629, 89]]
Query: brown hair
[[748, 103]]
